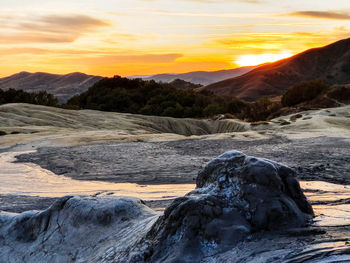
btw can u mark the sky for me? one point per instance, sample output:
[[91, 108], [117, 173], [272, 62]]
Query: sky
[[143, 37]]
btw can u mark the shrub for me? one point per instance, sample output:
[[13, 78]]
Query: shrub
[[304, 91], [261, 110], [341, 94]]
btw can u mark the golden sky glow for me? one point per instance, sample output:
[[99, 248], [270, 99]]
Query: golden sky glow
[[140, 37], [257, 59]]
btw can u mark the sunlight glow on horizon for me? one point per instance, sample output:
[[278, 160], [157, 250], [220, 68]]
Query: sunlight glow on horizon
[[254, 60], [145, 37]]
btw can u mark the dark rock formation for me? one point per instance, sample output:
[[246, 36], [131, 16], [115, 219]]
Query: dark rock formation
[[74, 229], [236, 195]]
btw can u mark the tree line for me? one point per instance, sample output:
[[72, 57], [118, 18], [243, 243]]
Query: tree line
[[20, 96], [152, 98], [137, 96]]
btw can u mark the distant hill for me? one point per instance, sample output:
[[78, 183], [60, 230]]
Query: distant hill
[[330, 63], [181, 84], [199, 77], [62, 87]]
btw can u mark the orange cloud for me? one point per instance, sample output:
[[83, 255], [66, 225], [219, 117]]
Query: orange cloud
[[24, 38]]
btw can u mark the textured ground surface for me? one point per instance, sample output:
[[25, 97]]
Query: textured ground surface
[[111, 147], [319, 158]]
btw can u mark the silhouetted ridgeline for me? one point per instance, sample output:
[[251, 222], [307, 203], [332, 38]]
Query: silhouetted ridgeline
[[200, 77]]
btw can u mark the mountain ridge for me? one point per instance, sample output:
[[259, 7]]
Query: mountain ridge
[[330, 63], [199, 77], [61, 86]]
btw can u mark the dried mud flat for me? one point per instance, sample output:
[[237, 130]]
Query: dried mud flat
[[315, 145], [178, 162], [323, 158]]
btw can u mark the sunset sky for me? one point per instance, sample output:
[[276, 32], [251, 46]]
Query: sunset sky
[[140, 37]]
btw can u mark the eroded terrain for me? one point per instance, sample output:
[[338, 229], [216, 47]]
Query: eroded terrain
[[98, 153]]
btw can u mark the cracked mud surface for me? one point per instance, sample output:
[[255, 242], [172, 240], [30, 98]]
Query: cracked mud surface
[[319, 158]]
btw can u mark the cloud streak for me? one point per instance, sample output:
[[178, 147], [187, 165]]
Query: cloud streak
[[220, 1], [322, 15], [231, 1], [144, 58], [268, 42], [208, 15], [51, 29]]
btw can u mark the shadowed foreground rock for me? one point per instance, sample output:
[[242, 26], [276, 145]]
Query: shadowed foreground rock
[[236, 196], [74, 229]]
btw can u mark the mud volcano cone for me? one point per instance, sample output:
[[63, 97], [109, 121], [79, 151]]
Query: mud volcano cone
[[236, 196]]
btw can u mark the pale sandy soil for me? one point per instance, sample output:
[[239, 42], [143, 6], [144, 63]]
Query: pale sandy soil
[[39, 126]]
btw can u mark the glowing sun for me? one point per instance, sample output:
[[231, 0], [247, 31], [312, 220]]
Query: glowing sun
[[253, 60]]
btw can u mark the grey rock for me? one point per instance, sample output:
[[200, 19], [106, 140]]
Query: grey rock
[[74, 229], [236, 196]]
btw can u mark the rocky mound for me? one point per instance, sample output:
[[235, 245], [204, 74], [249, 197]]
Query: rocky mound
[[236, 195]]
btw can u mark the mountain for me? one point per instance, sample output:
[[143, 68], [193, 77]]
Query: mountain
[[199, 77], [62, 87], [330, 63]]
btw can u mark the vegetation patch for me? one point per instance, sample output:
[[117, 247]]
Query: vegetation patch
[[20, 96], [304, 91], [181, 99], [151, 98]]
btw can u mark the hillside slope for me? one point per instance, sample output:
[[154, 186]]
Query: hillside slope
[[61, 86], [201, 77], [330, 63]]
